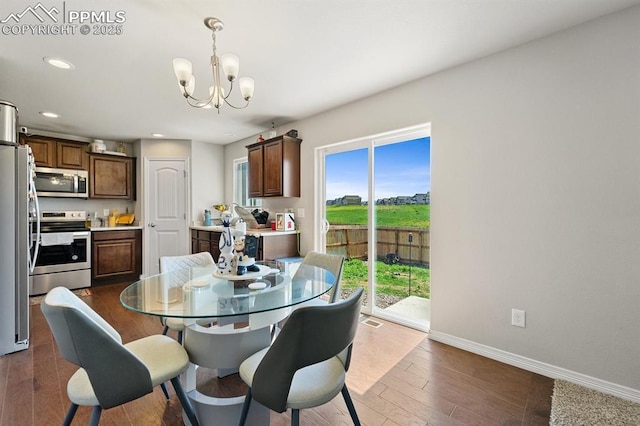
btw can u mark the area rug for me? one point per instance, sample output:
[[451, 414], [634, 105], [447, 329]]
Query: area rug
[[573, 405], [83, 292]]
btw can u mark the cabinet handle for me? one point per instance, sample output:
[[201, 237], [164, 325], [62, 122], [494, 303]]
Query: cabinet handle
[[152, 225]]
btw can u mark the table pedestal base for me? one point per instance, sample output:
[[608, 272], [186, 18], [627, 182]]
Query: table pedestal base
[[222, 348]]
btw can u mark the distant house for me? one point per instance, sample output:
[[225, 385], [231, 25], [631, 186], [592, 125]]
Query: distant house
[[348, 200], [422, 198], [403, 199]]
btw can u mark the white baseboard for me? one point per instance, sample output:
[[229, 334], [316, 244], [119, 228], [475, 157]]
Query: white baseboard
[[542, 368]]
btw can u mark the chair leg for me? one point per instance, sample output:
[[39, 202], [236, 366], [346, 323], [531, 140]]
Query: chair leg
[[95, 415], [165, 391], [166, 330], [184, 401], [349, 402], [180, 336], [295, 417], [70, 413], [245, 408]]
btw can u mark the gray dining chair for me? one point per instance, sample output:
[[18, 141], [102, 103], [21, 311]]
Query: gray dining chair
[[307, 363], [180, 265], [110, 373]]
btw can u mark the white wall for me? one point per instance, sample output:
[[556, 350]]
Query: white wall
[[535, 194], [207, 178]]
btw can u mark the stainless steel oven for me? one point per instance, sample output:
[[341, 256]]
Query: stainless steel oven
[[64, 255]]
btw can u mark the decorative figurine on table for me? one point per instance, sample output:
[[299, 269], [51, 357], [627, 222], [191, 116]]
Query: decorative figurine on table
[[242, 261], [225, 245]]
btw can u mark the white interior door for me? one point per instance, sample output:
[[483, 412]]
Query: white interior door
[[166, 201]]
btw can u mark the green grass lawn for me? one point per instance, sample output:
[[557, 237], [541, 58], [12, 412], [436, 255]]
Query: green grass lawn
[[415, 215], [390, 279]]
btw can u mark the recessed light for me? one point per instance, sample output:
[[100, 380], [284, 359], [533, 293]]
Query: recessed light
[[59, 63], [229, 135], [157, 135], [49, 114]]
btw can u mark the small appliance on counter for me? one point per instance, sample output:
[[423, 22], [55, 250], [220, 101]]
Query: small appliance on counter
[[125, 219], [285, 222]]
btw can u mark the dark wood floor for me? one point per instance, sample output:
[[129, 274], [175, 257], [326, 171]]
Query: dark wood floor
[[397, 377]]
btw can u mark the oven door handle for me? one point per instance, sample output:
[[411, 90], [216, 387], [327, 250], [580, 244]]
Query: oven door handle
[[81, 234]]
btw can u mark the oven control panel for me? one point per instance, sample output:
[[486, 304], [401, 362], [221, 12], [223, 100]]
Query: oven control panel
[[62, 216]]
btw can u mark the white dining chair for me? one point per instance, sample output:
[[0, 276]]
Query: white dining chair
[[180, 266], [331, 262]]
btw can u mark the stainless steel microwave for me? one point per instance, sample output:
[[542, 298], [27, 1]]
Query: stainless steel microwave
[[61, 182]]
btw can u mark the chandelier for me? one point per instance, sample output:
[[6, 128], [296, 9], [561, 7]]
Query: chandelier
[[230, 65]]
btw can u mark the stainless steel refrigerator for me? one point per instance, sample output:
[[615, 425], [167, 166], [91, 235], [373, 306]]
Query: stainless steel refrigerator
[[18, 203]]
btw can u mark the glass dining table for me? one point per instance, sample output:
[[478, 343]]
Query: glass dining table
[[227, 318]]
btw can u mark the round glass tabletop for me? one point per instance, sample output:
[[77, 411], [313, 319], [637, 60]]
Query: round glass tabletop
[[201, 292]]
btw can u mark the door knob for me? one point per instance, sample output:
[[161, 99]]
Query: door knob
[[152, 225]]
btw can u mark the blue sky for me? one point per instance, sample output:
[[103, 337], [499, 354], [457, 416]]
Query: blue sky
[[400, 169]]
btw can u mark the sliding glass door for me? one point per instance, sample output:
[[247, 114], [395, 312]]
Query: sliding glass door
[[375, 198]]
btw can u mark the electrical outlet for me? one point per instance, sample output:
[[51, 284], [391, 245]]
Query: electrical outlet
[[300, 211], [105, 212], [517, 318]]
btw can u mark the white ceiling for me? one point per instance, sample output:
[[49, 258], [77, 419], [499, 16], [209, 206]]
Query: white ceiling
[[305, 56]]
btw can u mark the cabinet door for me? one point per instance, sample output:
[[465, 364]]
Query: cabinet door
[[215, 245], [116, 256], [44, 149], [111, 177], [273, 169], [71, 155], [254, 158]]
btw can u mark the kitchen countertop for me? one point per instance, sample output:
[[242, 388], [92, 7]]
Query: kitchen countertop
[[115, 228], [260, 232]]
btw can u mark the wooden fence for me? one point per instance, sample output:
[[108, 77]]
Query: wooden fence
[[351, 241]]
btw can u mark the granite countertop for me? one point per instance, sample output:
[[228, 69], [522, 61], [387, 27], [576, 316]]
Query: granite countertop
[[115, 228], [260, 232]]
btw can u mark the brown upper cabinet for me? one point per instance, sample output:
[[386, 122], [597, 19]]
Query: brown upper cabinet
[[274, 167], [58, 153], [112, 176]]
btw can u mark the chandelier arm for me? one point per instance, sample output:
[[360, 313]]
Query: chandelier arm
[[230, 90], [236, 107], [197, 103]]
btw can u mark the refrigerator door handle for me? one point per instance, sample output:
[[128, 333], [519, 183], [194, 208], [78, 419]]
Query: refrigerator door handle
[[34, 258], [33, 194]]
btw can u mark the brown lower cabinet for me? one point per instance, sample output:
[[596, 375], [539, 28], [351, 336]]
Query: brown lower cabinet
[[269, 248], [206, 241], [116, 256]]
